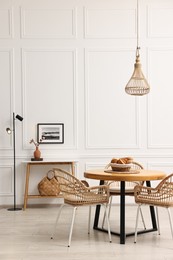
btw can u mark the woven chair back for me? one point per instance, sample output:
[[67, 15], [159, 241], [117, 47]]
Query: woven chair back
[[77, 193], [129, 184], [162, 195], [69, 184]]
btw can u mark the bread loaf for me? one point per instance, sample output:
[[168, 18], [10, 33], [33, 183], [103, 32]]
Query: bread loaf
[[114, 160], [124, 160]]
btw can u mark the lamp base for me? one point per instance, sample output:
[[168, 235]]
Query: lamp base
[[14, 209]]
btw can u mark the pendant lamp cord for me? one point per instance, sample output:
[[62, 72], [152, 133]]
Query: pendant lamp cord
[[137, 28]]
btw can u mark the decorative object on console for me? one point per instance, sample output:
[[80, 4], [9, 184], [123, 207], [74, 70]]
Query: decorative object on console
[[137, 85], [37, 153], [50, 133], [9, 131], [49, 186]]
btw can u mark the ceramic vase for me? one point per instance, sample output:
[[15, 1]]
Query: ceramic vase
[[37, 153]]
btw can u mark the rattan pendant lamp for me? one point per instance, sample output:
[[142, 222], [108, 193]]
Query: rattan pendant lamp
[[137, 85]]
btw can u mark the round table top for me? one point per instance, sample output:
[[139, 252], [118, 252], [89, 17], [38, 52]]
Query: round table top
[[141, 175]]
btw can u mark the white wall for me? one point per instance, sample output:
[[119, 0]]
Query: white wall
[[69, 61]]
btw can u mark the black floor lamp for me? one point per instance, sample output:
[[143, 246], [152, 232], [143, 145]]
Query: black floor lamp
[[9, 131]]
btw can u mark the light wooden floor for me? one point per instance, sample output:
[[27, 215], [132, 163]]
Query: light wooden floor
[[25, 235]]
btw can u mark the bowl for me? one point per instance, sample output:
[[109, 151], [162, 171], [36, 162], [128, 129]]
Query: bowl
[[120, 167]]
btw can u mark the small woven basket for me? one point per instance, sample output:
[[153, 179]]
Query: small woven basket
[[49, 186], [119, 167]]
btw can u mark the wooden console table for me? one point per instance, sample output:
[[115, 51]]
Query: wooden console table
[[41, 163]]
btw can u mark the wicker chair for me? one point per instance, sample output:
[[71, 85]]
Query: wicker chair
[[114, 190], [76, 194], [161, 196]]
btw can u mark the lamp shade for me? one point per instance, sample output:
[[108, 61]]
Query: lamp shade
[[137, 85], [19, 118]]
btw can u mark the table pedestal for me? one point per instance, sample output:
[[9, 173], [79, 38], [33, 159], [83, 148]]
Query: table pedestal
[[122, 232]]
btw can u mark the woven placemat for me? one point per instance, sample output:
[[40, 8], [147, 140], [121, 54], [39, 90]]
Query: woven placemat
[[127, 172]]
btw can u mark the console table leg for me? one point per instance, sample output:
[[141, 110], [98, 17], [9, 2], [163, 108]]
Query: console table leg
[[26, 186], [73, 168]]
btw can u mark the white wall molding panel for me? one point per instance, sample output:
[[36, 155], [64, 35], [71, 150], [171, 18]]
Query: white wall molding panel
[[6, 25], [157, 27], [57, 74], [69, 62], [98, 26], [6, 186], [7, 95], [48, 23], [102, 102], [160, 127]]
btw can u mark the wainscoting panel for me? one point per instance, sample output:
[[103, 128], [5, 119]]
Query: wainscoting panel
[[6, 24], [7, 95], [6, 184], [49, 84], [109, 124], [158, 27], [104, 23], [160, 127], [69, 62], [48, 23]]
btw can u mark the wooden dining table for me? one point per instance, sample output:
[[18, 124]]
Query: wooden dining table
[[123, 177]]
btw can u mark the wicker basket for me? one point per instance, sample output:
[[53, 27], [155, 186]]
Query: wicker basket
[[119, 167], [49, 185]]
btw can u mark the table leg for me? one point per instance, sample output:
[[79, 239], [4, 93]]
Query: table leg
[[26, 186], [96, 219], [97, 212], [122, 214], [152, 212]]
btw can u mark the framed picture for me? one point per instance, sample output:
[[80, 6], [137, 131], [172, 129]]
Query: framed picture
[[50, 133]]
